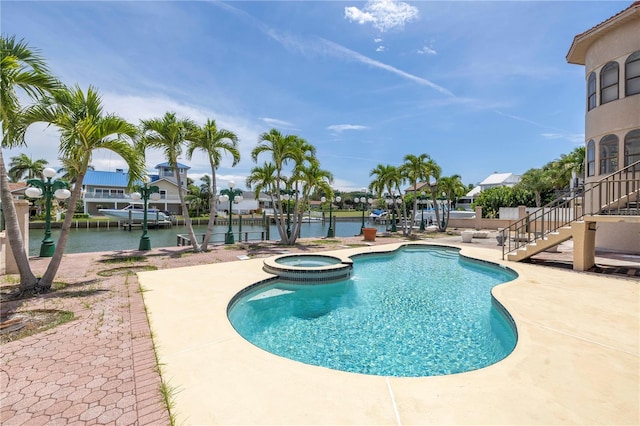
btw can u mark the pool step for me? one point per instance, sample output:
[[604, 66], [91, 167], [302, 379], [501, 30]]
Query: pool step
[[274, 292]]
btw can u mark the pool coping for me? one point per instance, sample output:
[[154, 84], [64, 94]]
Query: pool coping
[[576, 360], [301, 274]]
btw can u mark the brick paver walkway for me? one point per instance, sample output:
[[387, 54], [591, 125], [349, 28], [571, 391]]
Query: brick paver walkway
[[99, 368]]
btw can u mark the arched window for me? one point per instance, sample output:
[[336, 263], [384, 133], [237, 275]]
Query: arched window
[[608, 154], [591, 158], [632, 74], [591, 91], [632, 148], [609, 83]]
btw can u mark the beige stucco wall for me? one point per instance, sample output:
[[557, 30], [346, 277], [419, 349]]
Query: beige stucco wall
[[619, 41], [618, 117], [618, 237], [7, 262]]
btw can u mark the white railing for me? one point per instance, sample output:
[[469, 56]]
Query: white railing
[[123, 197]]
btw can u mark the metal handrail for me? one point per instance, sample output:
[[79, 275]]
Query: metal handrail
[[614, 193]]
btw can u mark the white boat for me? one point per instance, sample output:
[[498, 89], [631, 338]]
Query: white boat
[[378, 214], [312, 217], [135, 213], [429, 215]]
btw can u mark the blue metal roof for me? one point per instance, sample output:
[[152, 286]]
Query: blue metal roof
[[180, 166], [99, 178]]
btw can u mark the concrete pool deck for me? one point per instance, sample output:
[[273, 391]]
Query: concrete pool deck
[[577, 358]]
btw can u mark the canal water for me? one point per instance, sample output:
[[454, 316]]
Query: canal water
[[102, 239]]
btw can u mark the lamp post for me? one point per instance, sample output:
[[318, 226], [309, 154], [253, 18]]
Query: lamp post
[[331, 233], [391, 202], [145, 192], [49, 189], [232, 195], [363, 199]]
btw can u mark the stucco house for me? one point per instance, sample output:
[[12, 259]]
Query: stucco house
[[605, 213], [108, 190], [610, 54], [249, 204]]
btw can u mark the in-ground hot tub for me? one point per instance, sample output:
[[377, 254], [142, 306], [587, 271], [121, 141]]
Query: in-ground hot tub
[[309, 267]]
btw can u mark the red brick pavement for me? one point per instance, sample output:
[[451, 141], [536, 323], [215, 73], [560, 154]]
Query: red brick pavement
[[99, 368]]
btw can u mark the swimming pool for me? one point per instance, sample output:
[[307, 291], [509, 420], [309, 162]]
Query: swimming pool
[[417, 311]]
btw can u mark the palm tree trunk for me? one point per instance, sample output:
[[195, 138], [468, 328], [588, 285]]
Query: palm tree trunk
[[212, 209], [28, 280], [185, 211], [281, 220], [297, 220], [436, 210], [415, 207], [406, 226]]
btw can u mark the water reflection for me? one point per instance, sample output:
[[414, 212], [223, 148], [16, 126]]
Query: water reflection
[[102, 239]]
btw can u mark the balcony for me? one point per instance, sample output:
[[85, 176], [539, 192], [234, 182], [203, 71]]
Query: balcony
[[100, 196]]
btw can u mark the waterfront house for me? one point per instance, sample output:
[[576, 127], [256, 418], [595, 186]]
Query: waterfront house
[[492, 181], [610, 54], [249, 204], [108, 190], [604, 214]]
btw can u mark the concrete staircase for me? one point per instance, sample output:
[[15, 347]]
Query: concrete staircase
[[539, 245], [575, 214]]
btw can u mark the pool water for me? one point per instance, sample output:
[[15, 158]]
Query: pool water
[[414, 312], [309, 261]]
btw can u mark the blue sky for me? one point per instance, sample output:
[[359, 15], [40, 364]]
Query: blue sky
[[479, 86]]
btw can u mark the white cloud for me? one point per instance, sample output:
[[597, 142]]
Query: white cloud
[[329, 48], [577, 138], [427, 50], [334, 49], [384, 15], [377, 40], [274, 122], [339, 128], [380, 49]]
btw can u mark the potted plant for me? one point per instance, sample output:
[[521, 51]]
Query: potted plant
[[501, 238], [369, 234]]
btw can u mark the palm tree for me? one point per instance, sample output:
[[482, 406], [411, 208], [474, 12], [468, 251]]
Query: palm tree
[[67, 176], [84, 128], [536, 181], [170, 134], [21, 69], [387, 178], [263, 179], [214, 142], [282, 148], [205, 190], [312, 178], [414, 169], [23, 165], [568, 167], [453, 188], [380, 184], [303, 156], [196, 199], [435, 171]]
